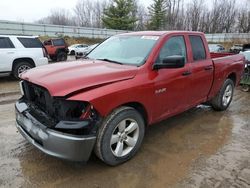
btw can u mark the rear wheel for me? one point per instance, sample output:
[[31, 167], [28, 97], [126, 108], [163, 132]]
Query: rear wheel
[[224, 97], [21, 67], [61, 56], [120, 136]]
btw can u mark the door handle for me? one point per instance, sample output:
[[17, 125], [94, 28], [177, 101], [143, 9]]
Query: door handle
[[210, 67], [186, 73], [10, 52]]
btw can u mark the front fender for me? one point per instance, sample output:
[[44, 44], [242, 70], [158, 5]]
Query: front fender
[[107, 98]]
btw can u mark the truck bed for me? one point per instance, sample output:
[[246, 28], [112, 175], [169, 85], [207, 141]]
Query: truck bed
[[214, 55], [223, 64]]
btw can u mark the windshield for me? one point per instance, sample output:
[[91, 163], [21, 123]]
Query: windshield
[[132, 50]]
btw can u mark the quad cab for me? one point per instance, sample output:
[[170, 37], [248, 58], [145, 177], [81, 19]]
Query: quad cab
[[130, 81]]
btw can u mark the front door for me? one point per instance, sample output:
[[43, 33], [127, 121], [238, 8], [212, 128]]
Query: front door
[[171, 85]]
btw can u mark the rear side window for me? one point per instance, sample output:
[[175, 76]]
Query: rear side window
[[30, 42], [58, 42], [198, 48], [5, 42]]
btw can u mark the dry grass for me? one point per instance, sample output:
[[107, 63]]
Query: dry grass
[[74, 40], [228, 45]]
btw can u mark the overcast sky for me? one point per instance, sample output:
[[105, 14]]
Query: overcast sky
[[32, 10]]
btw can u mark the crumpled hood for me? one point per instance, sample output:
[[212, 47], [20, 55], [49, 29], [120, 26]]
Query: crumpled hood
[[61, 79]]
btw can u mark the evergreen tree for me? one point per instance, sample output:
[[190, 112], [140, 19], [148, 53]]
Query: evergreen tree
[[157, 12], [120, 15]]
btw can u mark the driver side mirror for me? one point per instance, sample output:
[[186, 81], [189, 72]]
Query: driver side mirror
[[170, 62]]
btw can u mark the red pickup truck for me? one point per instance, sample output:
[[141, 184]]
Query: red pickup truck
[[105, 102]]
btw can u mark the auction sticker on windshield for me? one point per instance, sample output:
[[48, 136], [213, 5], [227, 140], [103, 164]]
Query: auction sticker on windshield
[[150, 37]]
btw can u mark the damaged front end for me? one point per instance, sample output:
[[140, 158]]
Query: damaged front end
[[57, 126]]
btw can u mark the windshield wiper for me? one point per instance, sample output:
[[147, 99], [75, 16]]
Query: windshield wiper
[[111, 61]]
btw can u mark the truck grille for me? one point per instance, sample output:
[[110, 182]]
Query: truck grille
[[41, 103], [36, 94]]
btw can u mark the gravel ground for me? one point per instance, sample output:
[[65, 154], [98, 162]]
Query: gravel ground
[[198, 148]]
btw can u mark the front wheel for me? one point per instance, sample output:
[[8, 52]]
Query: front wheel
[[120, 136], [224, 97]]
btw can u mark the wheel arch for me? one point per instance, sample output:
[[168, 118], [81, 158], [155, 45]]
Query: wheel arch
[[232, 76], [140, 108], [23, 59]]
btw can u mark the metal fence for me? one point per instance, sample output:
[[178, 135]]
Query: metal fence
[[19, 28], [228, 37]]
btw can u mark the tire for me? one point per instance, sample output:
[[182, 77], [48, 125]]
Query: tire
[[224, 97], [61, 56], [21, 67], [72, 52], [245, 88], [123, 147]]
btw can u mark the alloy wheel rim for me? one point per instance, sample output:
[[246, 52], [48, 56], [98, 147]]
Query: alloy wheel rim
[[22, 68], [124, 137], [227, 96]]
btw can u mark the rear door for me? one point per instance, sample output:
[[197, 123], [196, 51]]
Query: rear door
[[202, 70], [7, 53]]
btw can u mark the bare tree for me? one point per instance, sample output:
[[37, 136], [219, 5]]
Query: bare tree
[[58, 17], [83, 11], [194, 13], [173, 9], [228, 15], [222, 16], [243, 24], [98, 8], [89, 13], [205, 21], [143, 17]]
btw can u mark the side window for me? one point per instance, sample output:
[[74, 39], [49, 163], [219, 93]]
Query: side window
[[58, 42], [5, 42], [174, 46], [47, 43], [198, 48], [30, 42]]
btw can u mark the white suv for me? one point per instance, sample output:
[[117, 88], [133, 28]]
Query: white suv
[[19, 53]]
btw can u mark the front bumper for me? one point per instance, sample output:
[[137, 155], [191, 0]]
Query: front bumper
[[51, 142]]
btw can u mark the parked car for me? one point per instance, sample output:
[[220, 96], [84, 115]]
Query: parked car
[[75, 47], [236, 48], [216, 48], [126, 83], [57, 49], [82, 52], [19, 53], [246, 47], [245, 81]]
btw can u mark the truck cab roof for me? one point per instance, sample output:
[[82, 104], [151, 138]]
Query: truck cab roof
[[161, 33]]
